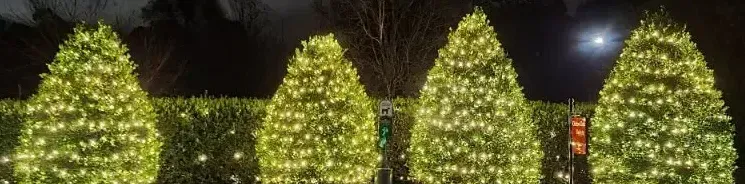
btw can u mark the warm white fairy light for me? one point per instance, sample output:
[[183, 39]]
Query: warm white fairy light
[[659, 117], [237, 155], [319, 126], [473, 124], [81, 129]]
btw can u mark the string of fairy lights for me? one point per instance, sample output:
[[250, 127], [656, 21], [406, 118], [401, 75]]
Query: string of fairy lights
[[319, 127], [471, 110], [81, 129], [659, 117]]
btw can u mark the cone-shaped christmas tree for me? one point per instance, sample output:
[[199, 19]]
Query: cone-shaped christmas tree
[[89, 122], [320, 124], [660, 119], [473, 124]]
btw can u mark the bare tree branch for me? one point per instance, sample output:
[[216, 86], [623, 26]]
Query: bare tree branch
[[251, 14], [125, 21], [392, 42], [72, 10], [158, 69], [51, 29]]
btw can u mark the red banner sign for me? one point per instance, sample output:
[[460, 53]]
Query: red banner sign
[[579, 135]]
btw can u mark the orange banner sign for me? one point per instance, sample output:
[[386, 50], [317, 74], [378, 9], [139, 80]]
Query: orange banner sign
[[579, 135]]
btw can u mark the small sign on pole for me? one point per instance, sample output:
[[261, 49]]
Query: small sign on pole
[[385, 130], [384, 124], [579, 135], [386, 108]]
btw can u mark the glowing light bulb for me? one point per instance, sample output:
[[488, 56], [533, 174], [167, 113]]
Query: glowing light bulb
[[238, 155]]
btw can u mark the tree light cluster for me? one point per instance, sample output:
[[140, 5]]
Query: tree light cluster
[[659, 118], [473, 123], [319, 126], [90, 122]]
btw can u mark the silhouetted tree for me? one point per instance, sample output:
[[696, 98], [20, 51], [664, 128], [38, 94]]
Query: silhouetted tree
[[158, 52], [222, 44], [393, 43]]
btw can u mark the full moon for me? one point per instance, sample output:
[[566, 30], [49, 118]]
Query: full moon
[[599, 40]]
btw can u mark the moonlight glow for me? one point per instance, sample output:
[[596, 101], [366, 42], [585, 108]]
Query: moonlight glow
[[599, 40]]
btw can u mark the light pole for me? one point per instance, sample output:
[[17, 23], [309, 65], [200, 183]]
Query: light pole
[[571, 155], [385, 128]]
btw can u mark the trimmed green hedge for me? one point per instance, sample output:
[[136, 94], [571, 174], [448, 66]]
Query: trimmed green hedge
[[215, 129], [10, 130], [549, 118], [397, 153], [551, 122], [219, 130], [208, 140]]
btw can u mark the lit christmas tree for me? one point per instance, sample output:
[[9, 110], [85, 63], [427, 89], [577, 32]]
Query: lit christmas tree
[[320, 125], [89, 122], [660, 119], [473, 123]]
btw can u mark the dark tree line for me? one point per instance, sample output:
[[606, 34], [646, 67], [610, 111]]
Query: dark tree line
[[184, 48], [231, 58], [392, 43]]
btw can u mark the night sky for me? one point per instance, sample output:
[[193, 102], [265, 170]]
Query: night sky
[[549, 43], [553, 51]]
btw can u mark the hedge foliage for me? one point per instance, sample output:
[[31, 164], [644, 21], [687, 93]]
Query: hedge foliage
[[473, 123], [11, 117], [397, 153], [551, 122], [208, 140], [195, 127], [89, 122], [319, 126], [660, 117]]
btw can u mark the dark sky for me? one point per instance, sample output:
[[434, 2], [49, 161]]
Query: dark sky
[[17, 10], [295, 17], [550, 41], [553, 51], [550, 44]]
